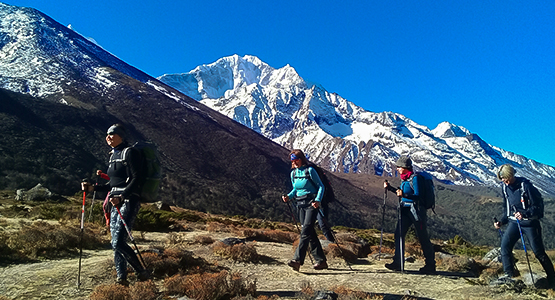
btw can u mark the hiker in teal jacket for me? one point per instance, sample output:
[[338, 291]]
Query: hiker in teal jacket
[[308, 199]]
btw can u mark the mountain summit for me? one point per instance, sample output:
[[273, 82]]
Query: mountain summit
[[340, 135]]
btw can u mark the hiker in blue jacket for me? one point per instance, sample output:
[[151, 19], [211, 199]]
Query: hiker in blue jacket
[[123, 187], [308, 199], [411, 213], [520, 194]]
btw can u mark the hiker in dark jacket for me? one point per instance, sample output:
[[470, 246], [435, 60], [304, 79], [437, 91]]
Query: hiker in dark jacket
[[411, 213], [308, 198], [520, 194], [124, 194]]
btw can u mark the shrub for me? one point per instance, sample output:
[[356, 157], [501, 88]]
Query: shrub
[[143, 291], [210, 286], [277, 236], [173, 261], [333, 250], [204, 239], [110, 292], [238, 252], [149, 219], [347, 294], [42, 239]]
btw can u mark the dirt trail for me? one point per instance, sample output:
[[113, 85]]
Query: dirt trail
[[57, 279]]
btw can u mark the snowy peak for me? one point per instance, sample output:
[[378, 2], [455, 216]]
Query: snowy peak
[[448, 130], [230, 75]]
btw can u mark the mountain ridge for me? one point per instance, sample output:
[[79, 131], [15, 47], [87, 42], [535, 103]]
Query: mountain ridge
[[342, 136]]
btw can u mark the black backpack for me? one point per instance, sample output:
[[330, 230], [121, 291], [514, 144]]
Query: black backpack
[[426, 190], [151, 172], [329, 195], [530, 197]]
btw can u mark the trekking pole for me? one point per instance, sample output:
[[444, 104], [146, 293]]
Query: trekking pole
[[401, 240], [92, 203], [81, 238], [336, 241], [383, 222], [524, 246], [130, 236], [298, 230]]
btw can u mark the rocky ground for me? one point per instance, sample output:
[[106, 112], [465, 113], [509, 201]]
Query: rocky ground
[[57, 279]]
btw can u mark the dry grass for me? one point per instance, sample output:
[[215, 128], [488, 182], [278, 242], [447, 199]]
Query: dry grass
[[461, 264], [277, 236], [43, 239], [219, 227], [345, 293], [238, 252], [110, 292], [173, 261], [210, 286], [333, 250], [143, 291], [204, 239]]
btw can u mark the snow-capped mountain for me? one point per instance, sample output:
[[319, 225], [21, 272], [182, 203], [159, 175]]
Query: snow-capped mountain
[[341, 136]]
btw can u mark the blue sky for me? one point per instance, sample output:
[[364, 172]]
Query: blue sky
[[488, 66]]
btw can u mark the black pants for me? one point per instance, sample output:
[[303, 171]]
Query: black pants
[[421, 232], [307, 217], [323, 222], [533, 231]]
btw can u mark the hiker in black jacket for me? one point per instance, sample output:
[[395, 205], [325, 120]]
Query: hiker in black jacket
[[412, 212], [522, 201], [123, 187]]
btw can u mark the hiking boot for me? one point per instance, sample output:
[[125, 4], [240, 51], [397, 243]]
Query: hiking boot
[[506, 279], [321, 265], [393, 266], [294, 264], [122, 281], [144, 275], [427, 269]]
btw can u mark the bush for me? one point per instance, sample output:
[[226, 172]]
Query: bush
[[42, 239], [174, 261], [110, 292], [276, 236], [149, 219], [238, 252], [143, 291], [210, 286]]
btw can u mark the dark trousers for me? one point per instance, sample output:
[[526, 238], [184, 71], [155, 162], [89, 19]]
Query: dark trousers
[[323, 222], [123, 253], [533, 231], [421, 232], [307, 217]]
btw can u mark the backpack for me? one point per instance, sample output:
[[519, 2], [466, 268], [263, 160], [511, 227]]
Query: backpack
[[149, 181], [329, 195], [530, 197], [426, 190]]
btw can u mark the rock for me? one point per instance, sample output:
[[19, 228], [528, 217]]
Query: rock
[[233, 241], [37, 193], [163, 206], [494, 255], [325, 295]]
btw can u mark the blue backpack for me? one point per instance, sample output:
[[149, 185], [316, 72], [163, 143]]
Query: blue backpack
[[426, 190]]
